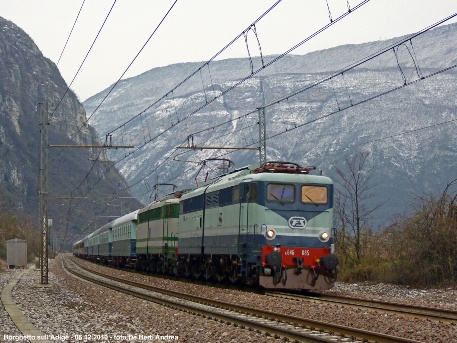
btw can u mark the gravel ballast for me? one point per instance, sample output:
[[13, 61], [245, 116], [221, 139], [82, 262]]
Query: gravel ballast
[[73, 310]]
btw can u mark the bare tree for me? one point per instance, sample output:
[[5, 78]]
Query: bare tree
[[352, 192], [424, 253]]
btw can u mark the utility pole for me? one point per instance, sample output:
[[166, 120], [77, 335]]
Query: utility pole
[[262, 137], [262, 129], [43, 183], [43, 191]]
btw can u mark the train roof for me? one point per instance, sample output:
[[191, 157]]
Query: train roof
[[129, 217], [159, 203], [104, 228], [118, 222], [78, 242], [272, 172]]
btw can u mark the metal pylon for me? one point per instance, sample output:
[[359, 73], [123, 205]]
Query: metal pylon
[[43, 191], [262, 136]]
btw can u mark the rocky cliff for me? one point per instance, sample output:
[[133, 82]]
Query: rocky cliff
[[80, 189]]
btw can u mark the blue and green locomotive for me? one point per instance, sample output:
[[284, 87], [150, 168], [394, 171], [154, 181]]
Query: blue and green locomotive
[[270, 226]]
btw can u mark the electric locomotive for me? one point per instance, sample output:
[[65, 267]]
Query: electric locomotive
[[271, 226], [157, 236]]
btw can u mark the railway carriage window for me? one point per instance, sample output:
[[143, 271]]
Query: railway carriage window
[[314, 195], [225, 196], [167, 211], [280, 193], [175, 211]]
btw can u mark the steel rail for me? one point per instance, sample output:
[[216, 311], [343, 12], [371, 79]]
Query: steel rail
[[356, 334], [373, 304], [234, 319]]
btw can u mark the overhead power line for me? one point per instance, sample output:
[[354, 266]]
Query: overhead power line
[[68, 38], [222, 93], [343, 71], [420, 76], [139, 52], [207, 102], [136, 56], [84, 60], [170, 92]]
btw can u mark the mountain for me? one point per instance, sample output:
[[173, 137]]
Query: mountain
[[392, 105], [79, 190]]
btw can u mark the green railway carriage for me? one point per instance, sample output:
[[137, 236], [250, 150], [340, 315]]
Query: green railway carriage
[[91, 244], [123, 239], [104, 238], [157, 236], [78, 248]]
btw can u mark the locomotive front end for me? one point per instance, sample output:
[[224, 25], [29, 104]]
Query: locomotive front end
[[298, 230]]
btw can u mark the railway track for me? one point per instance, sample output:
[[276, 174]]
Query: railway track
[[274, 324], [428, 313]]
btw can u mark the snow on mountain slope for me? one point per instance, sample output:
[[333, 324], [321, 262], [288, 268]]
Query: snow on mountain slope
[[412, 152]]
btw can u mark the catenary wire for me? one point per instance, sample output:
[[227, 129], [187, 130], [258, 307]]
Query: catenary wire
[[329, 78], [222, 93], [233, 86], [68, 38], [366, 100], [225, 91], [84, 60], [130, 64], [136, 56], [270, 62], [195, 72]]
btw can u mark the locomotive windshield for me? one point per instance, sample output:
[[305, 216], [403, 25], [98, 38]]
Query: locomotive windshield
[[280, 193], [285, 194], [314, 194]]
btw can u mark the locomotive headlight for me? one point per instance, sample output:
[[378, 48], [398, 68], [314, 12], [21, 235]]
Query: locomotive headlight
[[324, 236], [270, 234]]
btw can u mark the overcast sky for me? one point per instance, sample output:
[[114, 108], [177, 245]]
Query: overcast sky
[[195, 30]]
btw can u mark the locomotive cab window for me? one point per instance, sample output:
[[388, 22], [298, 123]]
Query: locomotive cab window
[[280, 193], [314, 195], [236, 195], [253, 194]]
